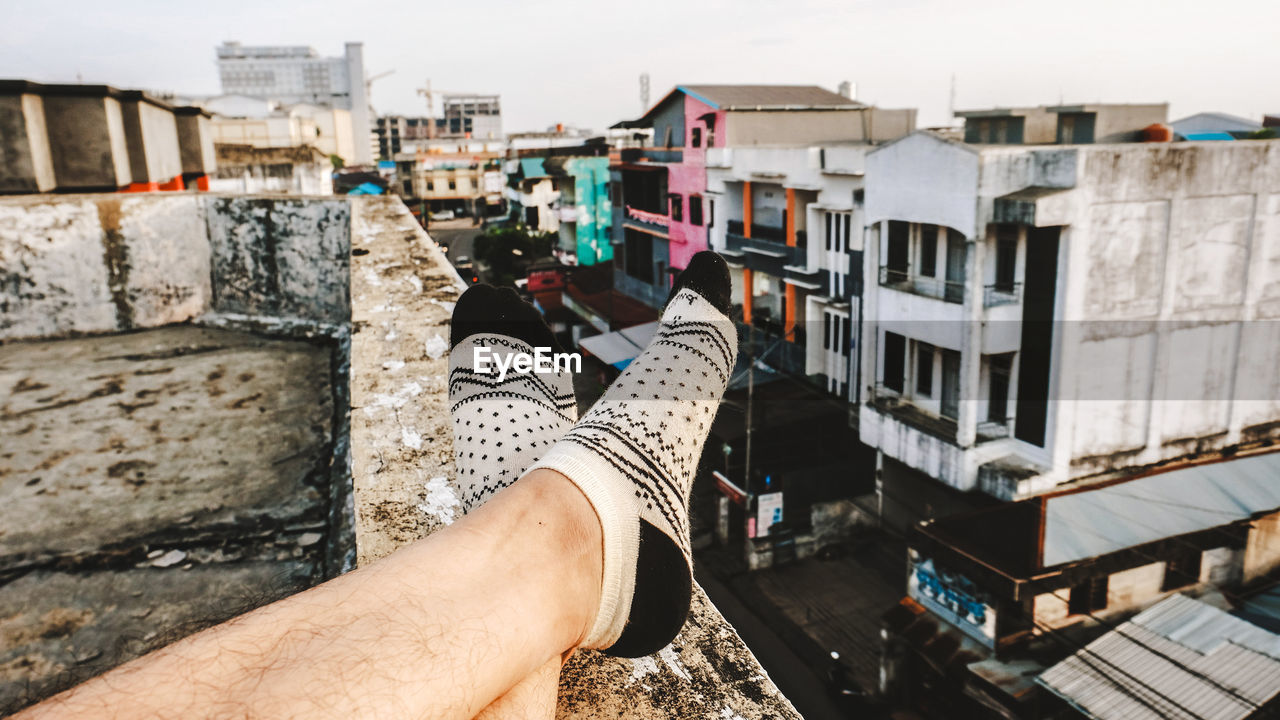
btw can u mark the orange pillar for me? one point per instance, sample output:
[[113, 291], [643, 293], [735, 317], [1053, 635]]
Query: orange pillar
[[746, 210], [791, 220], [746, 295], [789, 313]]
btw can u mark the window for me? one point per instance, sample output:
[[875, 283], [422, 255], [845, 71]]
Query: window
[[430, 186], [695, 210], [924, 369], [677, 207], [895, 351], [695, 138], [899, 249], [453, 184], [711, 212], [826, 331], [615, 192], [848, 218], [829, 223], [929, 250], [1182, 568], [408, 187], [1089, 596], [639, 255], [1006, 256], [998, 393]]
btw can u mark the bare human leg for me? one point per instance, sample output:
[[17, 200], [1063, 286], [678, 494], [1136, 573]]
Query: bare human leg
[[439, 629]]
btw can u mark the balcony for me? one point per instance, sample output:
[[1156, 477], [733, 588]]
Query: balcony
[[646, 219], [654, 155], [1001, 294], [903, 280], [767, 251], [890, 402]]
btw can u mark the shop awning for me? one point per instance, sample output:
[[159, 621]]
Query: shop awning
[[619, 348]]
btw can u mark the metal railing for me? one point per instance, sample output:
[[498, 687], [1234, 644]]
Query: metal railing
[[898, 279], [1001, 294]]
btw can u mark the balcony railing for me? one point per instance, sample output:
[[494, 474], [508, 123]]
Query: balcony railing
[[1001, 294], [646, 216], [891, 402], [771, 255], [995, 429], [947, 290]]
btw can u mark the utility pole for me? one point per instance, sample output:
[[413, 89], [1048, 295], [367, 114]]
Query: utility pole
[[751, 388]]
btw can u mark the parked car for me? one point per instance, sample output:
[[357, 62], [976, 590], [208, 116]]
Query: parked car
[[443, 215]]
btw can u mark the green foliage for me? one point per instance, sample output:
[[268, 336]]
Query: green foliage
[[337, 161], [494, 247], [1268, 133]]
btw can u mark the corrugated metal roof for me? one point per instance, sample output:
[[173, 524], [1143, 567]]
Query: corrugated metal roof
[[1107, 519], [729, 97], [1180, 659]]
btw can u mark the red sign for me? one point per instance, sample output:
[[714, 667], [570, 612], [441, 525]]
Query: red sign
[[728, 489]]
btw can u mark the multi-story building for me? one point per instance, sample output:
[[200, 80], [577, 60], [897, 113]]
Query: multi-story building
[[463, 176], [997, 596], [241, 120], [565, 190], [661, 209], [1038, 316], [1061, 124], [298, 74], [792, 234], [471, 116]]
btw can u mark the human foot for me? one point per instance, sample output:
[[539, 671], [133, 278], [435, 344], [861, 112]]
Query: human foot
[[501, 423], [635, 453]]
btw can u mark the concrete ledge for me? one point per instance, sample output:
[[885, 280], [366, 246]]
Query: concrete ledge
[[403, 291]]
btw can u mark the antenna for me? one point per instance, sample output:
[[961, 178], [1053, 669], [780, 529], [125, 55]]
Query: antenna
[[953, 98], [644, 92]]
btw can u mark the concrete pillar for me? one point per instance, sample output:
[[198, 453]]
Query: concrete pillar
[[24, 141], [86, 137], [971, 349], [360, 125], [746, 295], [151, 132], [195, 144]]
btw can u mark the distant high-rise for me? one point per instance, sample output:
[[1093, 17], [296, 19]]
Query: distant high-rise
[[298, 74]]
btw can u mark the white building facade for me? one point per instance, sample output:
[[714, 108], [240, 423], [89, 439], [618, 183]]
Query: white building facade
[[1035, 316], [298, 74]]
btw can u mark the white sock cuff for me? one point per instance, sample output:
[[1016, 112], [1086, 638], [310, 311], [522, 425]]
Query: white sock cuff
[[620, 528]]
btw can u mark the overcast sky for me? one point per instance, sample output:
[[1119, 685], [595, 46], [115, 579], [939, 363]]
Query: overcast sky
[[579, 61]]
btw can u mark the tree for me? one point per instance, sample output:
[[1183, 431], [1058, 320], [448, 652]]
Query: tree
[[338, 162], [508, 251]]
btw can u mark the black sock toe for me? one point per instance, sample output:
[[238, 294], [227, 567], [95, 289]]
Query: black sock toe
[[487, 309], [708, 275]]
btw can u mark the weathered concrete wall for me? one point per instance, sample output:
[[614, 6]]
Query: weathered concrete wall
[[175, 475], [152, 481], [403, 293], [195, 142], [815, 126], [103, 263], [281, 257]]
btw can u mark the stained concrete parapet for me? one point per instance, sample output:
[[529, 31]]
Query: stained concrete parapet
[[27, 165], [403, 292], [83, 264]]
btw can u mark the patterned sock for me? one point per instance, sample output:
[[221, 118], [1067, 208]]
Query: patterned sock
[[635, 453], [501, 426]]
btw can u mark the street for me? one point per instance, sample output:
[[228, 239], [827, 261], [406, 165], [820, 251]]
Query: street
[[456, 235]]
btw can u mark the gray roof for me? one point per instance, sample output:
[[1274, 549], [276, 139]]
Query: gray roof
[[1214, 122], [744, 97], [1106, 519], [1180, 659]]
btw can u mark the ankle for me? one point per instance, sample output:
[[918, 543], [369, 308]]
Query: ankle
[[577, 543]]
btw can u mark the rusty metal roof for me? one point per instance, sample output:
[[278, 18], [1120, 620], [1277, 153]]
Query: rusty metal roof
[[749, 97]]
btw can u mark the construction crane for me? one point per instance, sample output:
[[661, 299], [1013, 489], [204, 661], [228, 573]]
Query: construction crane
[[368, 89]]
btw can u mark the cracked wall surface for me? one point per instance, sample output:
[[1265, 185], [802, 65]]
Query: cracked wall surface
[[173, 403]]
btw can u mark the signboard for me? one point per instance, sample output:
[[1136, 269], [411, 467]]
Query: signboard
[[494, 181], [768, 512], [952, 597], [728, 489]]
